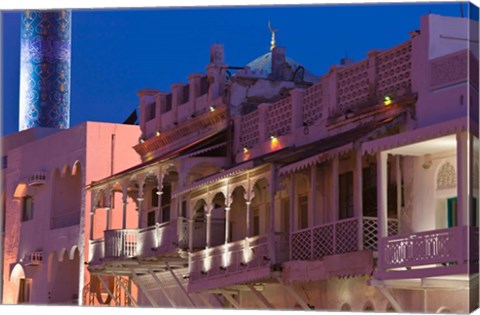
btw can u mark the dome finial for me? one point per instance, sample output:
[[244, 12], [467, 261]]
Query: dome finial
[[273, 31]]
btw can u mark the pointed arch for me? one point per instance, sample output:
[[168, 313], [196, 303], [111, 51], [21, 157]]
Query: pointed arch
[[76, 168], [21, 190], [446, 176]]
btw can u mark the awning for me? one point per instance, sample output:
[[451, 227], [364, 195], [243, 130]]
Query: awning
[[216, 177], [324, 156], [415, 136], [328, 148], [189, 149]]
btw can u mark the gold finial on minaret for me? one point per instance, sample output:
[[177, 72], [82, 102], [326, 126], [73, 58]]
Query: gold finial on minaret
[[273, 31]]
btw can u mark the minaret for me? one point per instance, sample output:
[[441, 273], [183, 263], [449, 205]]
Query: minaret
[[45, 49]]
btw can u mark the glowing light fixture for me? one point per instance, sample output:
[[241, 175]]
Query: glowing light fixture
[[212, 108], [245, 150], [158, 133], [387, 100], [141, 140], [272, 137]]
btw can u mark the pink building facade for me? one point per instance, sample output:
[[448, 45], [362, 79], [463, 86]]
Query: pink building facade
[[268, 187], [45, 175]]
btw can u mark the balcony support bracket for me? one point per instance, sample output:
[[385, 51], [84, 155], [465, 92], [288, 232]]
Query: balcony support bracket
[[259, 296], [117, 278], [180, 285], [304, 305], [390, 298], [162, 288], [140, 285], [105, 286], [230, 299]]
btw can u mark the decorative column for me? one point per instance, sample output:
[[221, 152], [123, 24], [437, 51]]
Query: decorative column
[[45, 60], [381, 205], [382, 194], [227, 224], [160, 176], [124, 205], [140, 201], [208, 213], [108, 196], [463, 191], [313, 196], [93, 207], [398, 175], [358, 196]]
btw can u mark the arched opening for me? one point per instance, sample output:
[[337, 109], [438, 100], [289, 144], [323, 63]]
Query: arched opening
[[63, 277], [237, 219], [218, 220], [199, 225], [443, 310], [368, 307], [22, 284], [66, 197], [390, 308], [446, 196], [345, 307]]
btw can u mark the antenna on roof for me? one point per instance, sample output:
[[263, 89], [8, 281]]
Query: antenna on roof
[[273, 31]]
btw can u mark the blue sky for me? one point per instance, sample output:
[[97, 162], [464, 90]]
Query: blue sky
[[116, 52]]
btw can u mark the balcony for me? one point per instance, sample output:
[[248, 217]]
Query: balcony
[[150, 241], [430, 253], [33, 258], [37, 178], [237, 262], [336, 238]]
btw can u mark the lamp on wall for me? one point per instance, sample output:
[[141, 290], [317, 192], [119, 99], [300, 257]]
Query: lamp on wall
[[158, 133], [427, 162]]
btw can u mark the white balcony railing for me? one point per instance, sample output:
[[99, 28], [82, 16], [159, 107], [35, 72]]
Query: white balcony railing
[[96, 251], [336, 238], [143, 242], [231, 258], [37, 178], [425, 248]]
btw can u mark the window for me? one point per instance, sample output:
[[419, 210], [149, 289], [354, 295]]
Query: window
[[154, 202], [303, 212], [151, 218], [346, 195], [27, 208], [24, 288], [256, 222]]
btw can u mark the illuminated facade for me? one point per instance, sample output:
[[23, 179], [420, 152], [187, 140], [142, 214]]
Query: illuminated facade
[[266, 186], [45, 171], [273, 188]]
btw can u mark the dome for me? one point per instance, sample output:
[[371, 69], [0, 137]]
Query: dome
[[263, 64]]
